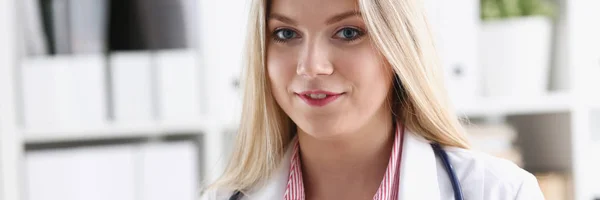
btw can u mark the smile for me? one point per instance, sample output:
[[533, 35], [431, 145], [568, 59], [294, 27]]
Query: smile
[[318, 98]]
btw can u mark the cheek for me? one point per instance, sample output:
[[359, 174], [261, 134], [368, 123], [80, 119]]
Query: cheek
[[369, 76], [281, 71]]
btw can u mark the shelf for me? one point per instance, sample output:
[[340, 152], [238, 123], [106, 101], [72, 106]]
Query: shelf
[[594, 102], [53, 135], [499, 106], [116, 131]]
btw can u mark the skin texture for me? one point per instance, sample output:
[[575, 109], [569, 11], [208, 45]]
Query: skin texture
[[324, 45]]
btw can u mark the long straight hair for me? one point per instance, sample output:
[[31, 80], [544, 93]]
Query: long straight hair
[[400, 31]]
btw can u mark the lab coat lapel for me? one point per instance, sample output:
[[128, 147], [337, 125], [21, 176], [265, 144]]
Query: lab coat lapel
[[418, 173], [418, 169], [274, 188]]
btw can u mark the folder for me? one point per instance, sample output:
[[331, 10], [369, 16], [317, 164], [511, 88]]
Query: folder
[[222, 57], [64, 91], [179, 85], [163, 22], [455, 26], [91, 173], [169, 171], [61, 26], [133, 97], [33, 30], [88, 26]]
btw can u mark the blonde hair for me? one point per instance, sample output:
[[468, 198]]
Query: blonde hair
[[400, 31]]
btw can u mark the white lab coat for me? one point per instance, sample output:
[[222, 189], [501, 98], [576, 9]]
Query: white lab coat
[[423, 176]]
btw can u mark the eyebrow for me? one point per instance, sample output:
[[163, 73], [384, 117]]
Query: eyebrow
[[334, 19], [342, 16], [282, 18]]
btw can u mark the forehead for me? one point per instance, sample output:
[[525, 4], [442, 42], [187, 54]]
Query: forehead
[[307, 10]]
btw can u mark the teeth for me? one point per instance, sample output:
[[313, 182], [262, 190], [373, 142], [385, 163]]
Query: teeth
[[317, 96]]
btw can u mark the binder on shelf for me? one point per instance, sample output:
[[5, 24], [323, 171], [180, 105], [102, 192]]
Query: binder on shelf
[[164, 23], [133, 99], [190, 10], [455, 29], [595, 162], [125, 30], [560, 73], [88, 26], [491, 137], [555, 186], [35, 43], [496, 140], [93, 173], [47, 24], [222, 57], [61, 26], [169, 171], [64, 91], [179, 86], [152, 24]]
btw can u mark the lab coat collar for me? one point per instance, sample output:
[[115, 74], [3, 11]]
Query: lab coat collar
[[418, 173], [274, 188], [418, 169]]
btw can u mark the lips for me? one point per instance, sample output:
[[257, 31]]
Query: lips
[[318, 98]]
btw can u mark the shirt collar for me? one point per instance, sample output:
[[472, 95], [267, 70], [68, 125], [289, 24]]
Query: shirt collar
[[388, 188], [418, 172]]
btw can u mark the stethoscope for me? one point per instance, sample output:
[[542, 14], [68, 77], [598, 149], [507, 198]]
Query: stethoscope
[[458, 195]]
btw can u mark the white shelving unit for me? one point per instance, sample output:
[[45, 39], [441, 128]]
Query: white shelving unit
[[10, 150], [551, 103], [565, 122], [219, 48], [559, 129], [557, 102], [122, 131], [561, 126]]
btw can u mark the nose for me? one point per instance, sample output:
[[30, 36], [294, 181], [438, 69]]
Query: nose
[[314, 60]]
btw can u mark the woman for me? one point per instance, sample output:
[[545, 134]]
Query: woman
[[344, 100]]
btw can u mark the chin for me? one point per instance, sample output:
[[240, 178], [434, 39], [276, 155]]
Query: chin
[[322, 129]]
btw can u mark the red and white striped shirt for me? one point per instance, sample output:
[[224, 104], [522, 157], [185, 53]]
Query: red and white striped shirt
[[388, 189]]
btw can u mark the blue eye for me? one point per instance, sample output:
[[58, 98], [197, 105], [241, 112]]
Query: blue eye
[[283, 35], [349, 34]]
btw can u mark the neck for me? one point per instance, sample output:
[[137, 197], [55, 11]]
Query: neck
[[353, 164]]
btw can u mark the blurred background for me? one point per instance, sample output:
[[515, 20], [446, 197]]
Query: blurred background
[[139, 99]]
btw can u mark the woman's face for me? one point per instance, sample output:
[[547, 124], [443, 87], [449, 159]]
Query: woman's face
[[325, 72]]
